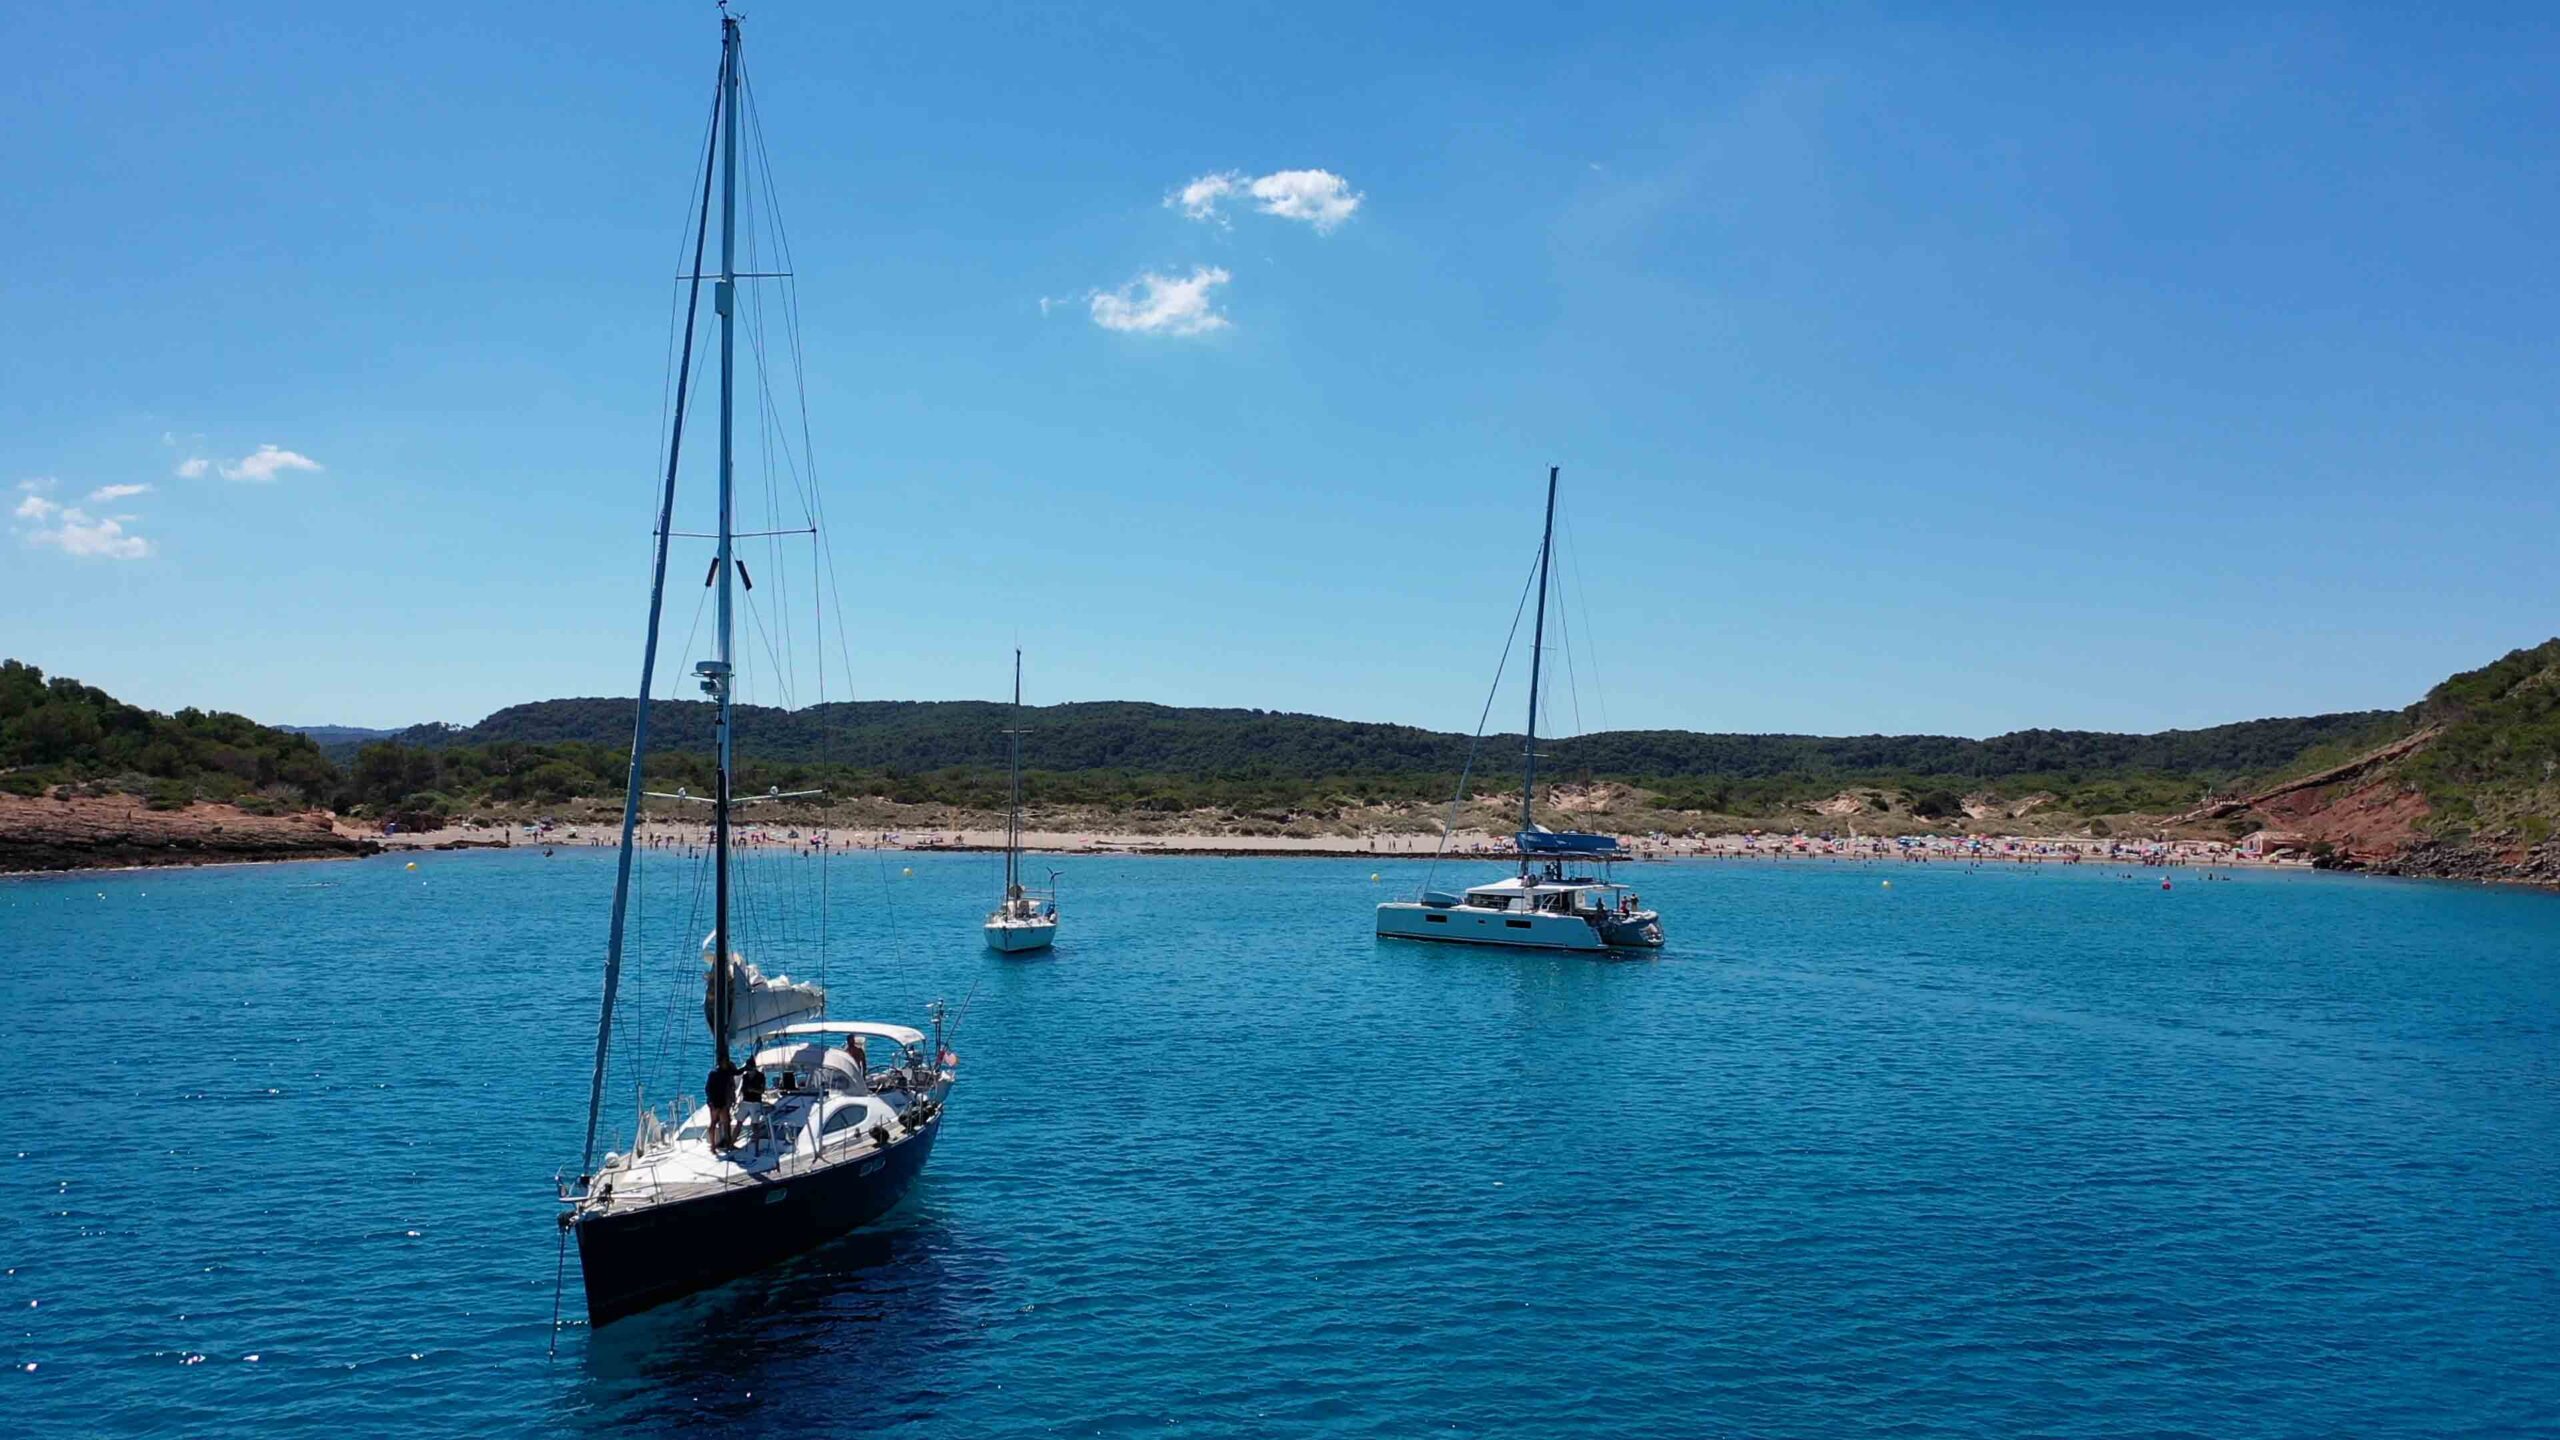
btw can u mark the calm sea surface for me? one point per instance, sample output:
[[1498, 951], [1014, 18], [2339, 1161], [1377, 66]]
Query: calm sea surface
[[1980, 1153]]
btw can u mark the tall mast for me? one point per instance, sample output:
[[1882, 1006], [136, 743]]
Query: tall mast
[[649, 662], [1013, 816], [717, 675], [1537, 649]]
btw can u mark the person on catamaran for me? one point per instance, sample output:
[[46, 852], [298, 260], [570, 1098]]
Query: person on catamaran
[[718, 1089]]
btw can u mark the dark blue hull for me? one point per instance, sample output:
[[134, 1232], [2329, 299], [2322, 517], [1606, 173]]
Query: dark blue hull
[[642, 1258]]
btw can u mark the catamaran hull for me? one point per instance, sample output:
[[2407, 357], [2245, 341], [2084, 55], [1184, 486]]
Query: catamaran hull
[[1012, 939], [1636, 934], [1466, 925], [634, 1260]]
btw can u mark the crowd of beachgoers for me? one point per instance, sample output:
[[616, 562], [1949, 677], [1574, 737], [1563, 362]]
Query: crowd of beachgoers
[[1750, 845], [2013, 849]]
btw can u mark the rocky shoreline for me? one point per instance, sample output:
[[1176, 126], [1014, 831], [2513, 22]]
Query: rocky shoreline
[[60, 833], [2446, 860], [63, 833]]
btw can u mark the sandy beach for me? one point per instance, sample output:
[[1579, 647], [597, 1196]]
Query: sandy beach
[[1925, 849]]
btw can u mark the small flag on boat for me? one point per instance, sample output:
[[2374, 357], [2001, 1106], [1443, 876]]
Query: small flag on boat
[[948, 1059]]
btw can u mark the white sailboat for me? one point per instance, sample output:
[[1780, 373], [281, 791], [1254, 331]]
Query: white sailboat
[[809, 1126], [1024, 919], [1557, 901]]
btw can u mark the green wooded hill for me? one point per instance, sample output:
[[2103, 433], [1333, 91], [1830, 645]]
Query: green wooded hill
[[2496, 765], [1129, 736], [60, 731], [2496, 768]]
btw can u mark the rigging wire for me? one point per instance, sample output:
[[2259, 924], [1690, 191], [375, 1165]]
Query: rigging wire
[[1582, 598], [697, 185], [1572, 679], [816, 494], [769, 926], [801, 468], [1564, 629], [644, 1060], [1448, 828], [756, 617], [769, 441], [671, 414], [829, 576]]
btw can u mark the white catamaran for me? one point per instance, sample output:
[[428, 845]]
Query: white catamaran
[[1556, 902], [1023, 919], [809, 1126]]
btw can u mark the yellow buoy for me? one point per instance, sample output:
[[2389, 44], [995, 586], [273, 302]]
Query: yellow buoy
[[1373, 877], [413, 864], [910, 870], [1888, 884]]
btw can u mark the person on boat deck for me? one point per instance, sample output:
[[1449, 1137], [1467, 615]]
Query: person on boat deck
[[861, 1057], [718, 1088], [751, 1085]]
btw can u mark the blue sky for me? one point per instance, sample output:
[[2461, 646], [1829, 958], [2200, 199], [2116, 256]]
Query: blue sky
[[1958, 374]]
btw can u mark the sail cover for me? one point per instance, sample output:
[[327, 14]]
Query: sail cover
[[1564, 843], [757, 1002]]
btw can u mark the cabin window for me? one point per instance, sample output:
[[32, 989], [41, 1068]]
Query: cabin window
[[1516, 924], [1436, 919], [845, 1119]]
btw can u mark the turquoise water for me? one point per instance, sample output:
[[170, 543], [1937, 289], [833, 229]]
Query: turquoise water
[[1982, 1153]]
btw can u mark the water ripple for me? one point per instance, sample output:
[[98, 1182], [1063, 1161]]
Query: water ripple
[[2003, 1152]]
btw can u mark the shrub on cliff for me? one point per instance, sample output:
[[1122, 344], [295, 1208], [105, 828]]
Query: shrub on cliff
[[60, 731], [2497, 763]]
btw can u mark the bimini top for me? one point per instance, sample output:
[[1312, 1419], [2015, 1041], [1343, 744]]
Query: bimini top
[[912, 1039], [814, 1060], [1567, 843]]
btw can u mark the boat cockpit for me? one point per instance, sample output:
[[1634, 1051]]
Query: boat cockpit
[[1557, 897], [811, 1093]]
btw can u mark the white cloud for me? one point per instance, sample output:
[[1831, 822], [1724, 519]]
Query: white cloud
[[260, 467], [264, 465], [1156, 304], [1318, 197], [74, 531], [1200, 198], [107, 493]]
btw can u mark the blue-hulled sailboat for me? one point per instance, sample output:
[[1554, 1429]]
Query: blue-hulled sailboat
[[1562, 898], [809, 1126]]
